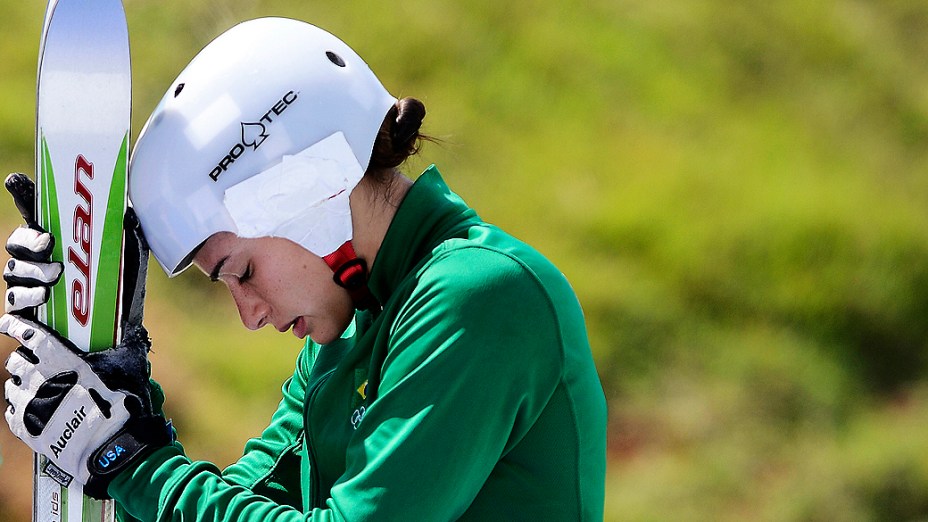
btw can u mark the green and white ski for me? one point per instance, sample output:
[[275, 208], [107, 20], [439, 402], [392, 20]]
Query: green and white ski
[[82, 137]]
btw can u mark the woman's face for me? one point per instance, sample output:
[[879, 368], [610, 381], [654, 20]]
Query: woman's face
[[275, 281]]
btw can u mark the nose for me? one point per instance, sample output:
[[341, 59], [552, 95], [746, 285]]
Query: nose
[[252, 310]]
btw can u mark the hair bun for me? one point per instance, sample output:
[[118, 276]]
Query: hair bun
[[405, 128], [399, 136]]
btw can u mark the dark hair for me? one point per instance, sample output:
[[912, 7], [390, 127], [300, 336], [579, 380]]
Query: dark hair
[[398, 137]]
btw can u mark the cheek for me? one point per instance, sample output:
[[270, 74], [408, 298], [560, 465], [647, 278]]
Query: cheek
[[316, 293], [337, 303]]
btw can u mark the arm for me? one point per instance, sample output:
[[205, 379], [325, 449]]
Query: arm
[[270, 465], [269, 468]]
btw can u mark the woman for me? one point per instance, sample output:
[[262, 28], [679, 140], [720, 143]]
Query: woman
[[446, 373]]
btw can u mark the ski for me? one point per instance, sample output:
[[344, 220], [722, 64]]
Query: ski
[[83, 108]]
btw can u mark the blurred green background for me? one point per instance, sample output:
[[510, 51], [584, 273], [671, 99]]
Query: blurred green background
[[737, 191]]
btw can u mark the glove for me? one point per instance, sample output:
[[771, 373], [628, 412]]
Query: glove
[[30, 273], [90, 414]]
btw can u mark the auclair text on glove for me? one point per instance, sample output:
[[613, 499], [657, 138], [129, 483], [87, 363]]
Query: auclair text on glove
[[70, 427]]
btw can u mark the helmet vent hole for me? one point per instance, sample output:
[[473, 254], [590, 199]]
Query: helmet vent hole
[[180, 87], [334, 58]]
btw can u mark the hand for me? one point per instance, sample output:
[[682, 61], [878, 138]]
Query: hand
[[30, 273], [91, 414]]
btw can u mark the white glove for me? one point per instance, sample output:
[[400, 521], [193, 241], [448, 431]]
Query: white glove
[[30, 274], [58, 406]]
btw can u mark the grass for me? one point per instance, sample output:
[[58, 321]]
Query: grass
[[736, 190]]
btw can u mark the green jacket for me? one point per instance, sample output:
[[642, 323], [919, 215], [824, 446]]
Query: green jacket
[[471, 396]]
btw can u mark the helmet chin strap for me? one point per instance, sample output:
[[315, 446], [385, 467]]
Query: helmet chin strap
[[350, 273]]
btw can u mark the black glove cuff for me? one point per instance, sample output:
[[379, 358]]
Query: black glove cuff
[[139, 437]]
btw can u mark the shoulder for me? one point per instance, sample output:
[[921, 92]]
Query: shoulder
[[493, 283], [484, 303], [467, 271], [490, 260]]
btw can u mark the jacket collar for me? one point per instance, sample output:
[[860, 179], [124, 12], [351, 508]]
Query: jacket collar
[[429, 214]]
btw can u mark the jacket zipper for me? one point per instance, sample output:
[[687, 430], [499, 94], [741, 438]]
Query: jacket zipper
[[314, 478]]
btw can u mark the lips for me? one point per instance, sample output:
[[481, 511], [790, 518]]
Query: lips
[[286, 327], [299, 327]]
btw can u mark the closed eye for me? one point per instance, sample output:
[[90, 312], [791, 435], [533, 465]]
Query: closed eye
[[246, 275]]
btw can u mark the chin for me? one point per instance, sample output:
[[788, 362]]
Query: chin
[[320, 338], [329, 331]]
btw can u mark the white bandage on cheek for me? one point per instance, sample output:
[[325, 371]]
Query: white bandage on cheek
[[304, 198]]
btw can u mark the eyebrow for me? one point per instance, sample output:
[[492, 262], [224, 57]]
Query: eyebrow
[[214, 274]]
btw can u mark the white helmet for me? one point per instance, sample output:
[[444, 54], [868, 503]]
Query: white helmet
[[265, 133]]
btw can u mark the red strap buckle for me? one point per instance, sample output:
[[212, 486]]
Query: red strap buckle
[[350, 273]]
